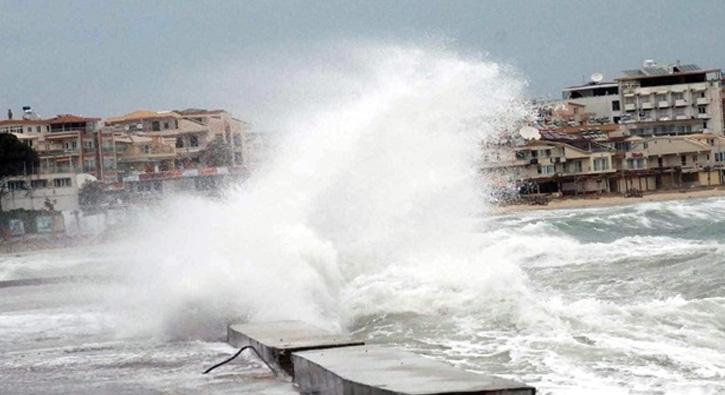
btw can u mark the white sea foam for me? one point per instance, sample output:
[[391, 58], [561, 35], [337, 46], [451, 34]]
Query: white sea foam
[[370, 205]]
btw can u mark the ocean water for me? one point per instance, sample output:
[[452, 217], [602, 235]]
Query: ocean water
[[371, 217], [613, 300]]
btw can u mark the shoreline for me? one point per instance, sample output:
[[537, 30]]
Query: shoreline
[[611, 200]]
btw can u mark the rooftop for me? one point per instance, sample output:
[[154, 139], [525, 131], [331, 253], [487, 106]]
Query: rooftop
[[70, 118], [141, 115], [651, 70]]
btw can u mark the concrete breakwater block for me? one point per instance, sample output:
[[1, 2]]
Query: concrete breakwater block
[[276, 341], [378, 370]]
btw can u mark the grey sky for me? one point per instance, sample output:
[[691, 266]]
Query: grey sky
[[104, 58]]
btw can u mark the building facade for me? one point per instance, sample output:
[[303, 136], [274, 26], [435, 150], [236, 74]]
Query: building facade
[[671, 100]]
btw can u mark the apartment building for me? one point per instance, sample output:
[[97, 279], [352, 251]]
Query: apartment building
[[150, 141], [564, 163], [601, 99], [671, 100], [222, 126]]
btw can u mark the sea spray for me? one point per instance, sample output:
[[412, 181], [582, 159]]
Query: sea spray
[[370, 205]]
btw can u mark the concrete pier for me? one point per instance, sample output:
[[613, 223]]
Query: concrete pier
[[276, 341], [383, 370]]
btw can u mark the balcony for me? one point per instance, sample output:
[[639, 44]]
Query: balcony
[[702, 101], [629, 107], [663, 104], [680, 103], [703, 116], [645, 105], [664, 118], [682, 117]]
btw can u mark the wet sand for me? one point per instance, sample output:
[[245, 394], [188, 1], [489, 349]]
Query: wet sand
[[612, 200]]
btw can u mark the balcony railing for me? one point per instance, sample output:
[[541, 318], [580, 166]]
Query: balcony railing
[[663, 104], [703, 116], [646, 105], [702, 101], [680, 103], [629, 107], [682, 117]]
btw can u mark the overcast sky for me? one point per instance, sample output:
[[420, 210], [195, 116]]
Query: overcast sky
[[107, 58]]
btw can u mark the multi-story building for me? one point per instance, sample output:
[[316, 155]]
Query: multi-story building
[[671, 100], [600, 98], [162, 141], [222, 126], [563, 163]]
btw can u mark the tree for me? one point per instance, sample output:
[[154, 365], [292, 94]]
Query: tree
[[217, 153], [91, 194], [15, 158]]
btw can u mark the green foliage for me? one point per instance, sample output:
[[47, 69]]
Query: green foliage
[[15, 156]]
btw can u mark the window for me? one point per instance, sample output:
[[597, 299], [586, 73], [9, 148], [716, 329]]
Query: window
[[179, 142], [62, 182], [37, 129], [155, 126], [548, 169], [147, 149], [194, 141], [166, 125], [88, 144], [70, 145], [38, 184], [645, 145], [683, 160], [89, 165], [694, 158], [573, 167], [601, 164], [16, 185], [237, 157], [701, 110], [635, 163], [615, 105]]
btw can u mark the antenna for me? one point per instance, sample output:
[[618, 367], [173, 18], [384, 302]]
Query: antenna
[[597, 78], [529, 133]]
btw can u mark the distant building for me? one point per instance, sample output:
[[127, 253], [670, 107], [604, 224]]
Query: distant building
[[152, 141], [671, 100], [601, 100]]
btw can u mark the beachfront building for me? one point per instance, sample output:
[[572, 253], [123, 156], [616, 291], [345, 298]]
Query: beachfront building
[[665, 162], [671, 100], [37, 191], [564, 163], [222, 126], [152, 141], [600, 98]]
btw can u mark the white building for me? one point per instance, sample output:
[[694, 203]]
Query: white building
[[31, 192], [601, 100], [671, 100]]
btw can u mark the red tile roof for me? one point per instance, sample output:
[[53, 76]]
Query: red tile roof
[[70, 118]]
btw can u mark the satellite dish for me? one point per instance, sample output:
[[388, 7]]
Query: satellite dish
[[529, 133], [597, 78]]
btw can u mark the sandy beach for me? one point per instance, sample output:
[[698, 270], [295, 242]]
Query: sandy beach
[[612, 200]]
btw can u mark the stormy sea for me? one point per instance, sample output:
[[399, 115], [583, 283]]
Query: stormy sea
[[371, 217]]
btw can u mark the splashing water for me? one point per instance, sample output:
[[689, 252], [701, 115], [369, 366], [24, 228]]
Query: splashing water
[[370, 205]]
